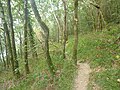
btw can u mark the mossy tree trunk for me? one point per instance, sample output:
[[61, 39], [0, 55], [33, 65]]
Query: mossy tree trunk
[[25, 36], [1, 49], [10, 54], [16, 64], [64, 29], [32, 41], [46, 38], [74, 57], [6, 51]]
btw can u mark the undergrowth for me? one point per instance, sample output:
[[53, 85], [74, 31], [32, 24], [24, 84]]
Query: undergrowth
[[102, 51], [40, 78]]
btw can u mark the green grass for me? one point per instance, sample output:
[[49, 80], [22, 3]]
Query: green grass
[[40, 78], [108, 79], [66, 80], [97, 48], [93, 47]]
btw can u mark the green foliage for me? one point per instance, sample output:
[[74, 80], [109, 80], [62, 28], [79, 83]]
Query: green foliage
[[96, 48], [40, 77], [100, 50]]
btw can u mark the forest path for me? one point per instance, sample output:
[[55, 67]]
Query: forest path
[[82, 78]]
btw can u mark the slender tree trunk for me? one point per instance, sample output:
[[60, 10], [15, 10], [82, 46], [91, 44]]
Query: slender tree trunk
[[75, 32], [59, 28], [21, 50], [32, 41], [1, 47], [100, 19], [6, 51], [65, 29], [0, 57], [25, 36], [46, 34], [8, 37], [16, 64]]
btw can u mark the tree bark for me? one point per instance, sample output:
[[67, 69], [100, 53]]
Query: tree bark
[[8, 38], [25, 36], [32, 41], [74, 57], [16, 64], [6, 51], [100, 19], [21, 50], [46, 34], [65, 29], [1, 49]]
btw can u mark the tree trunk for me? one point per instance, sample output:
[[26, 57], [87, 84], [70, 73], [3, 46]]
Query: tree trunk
[[65, 29], [75, 32], [100, 19], [21, 50], [32, 41], [46, 34], [6, 51], [59, 29], [8, 38], [16, 64], [1, 49], [25, 36]]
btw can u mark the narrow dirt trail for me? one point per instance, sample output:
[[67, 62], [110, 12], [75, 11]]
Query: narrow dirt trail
[[82, 79]]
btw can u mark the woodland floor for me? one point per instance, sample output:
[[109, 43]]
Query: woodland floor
[[100, 49], [82, 79]]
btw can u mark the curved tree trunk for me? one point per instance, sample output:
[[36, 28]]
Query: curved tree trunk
[[32, 41], [46, 34]]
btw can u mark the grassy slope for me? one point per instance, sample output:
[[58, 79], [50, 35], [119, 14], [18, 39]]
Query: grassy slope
[[39, 78], [99, 50]]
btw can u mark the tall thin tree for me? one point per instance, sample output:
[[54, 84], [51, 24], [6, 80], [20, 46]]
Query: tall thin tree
[[65, 28], [25, 36], [32, 40], [2, 52], [46, 34], [75, 31], [6, 50], [16, 64], [7, 37]]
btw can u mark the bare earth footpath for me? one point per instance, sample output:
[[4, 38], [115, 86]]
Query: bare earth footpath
[[82, 79]]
